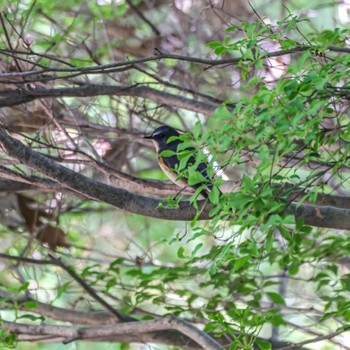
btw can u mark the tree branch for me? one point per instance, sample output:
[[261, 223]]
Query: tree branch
[[95, 190], [90, 291], [320, 216], [315, 340], [106, 68], [98, 318], [136, 330], [16, 97]]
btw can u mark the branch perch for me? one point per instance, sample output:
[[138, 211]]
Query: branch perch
[[320, 216]]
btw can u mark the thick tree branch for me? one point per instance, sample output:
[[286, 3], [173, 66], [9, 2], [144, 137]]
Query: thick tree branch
[[321, 216], [91, 318], [135, 329], [93, 189], [19, 182], [15, 186], [98, 318]]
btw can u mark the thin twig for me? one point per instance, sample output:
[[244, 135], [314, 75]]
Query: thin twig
[[162, 56], [315, 340], [143, 17], [90, 291]]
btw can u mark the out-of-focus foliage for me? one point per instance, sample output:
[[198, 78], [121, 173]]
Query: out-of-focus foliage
[[254, 274]]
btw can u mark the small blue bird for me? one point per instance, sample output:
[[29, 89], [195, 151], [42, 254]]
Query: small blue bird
[[170, 164]]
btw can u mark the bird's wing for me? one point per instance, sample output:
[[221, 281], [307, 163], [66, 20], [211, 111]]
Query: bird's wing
[[168, 164]]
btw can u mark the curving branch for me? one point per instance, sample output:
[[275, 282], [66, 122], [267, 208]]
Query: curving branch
[[20, 96], [15, 186], [139, 331], [16, 97], [320, 216], [100, 318], [93, 189]]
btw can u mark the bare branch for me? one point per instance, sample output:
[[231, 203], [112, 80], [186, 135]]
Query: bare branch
[[320, 216], [315, 340], [16, 97], [27, 260], [136, 329], [93, 189], [143, 17], [106, 68]]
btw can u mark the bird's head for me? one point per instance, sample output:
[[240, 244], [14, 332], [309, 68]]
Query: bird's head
[[161, 136]]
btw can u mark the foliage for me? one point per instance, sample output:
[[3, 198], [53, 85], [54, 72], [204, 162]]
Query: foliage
[[252, 274]]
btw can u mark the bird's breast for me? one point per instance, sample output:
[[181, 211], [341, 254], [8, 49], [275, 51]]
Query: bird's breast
[[171, 174]]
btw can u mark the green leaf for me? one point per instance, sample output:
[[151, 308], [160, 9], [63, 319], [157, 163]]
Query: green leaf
[[264, 152], [220, 50], [167, 153], [180, 253], [111, 283], [232, 28], [263, 345], [195, 177], [248, 183], [287, 44], [10, 340], [23, 287], [32, 317], [30, 304], [277, 320], [214, 195], [62, 288], [214, 44], [195, 250], [116, 263], [240, 263], [276, 298]]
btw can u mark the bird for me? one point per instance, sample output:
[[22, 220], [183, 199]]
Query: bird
[[166, 138]]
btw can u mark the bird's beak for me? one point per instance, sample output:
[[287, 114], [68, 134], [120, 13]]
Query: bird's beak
[[148, 137]]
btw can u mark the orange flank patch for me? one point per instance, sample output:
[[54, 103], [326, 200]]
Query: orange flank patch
[[171, 174]]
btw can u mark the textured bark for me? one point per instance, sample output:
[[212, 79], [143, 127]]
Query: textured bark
[[16, 97], [320, 216]]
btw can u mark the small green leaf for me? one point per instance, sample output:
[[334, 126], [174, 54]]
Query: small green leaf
[[22, 288], [276, 298], [180, 253], [239, 263], [10, 340], [214, 44], [195, 250], [32, 317], [248, 183], [220, 50], [111, 283], [30, 304], [62, 288], [116, 262], [167, 153], [195, 177], [231, 29], [214, 195], [263, 345]]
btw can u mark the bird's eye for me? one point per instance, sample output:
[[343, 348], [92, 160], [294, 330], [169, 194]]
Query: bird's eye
[[161, 136]]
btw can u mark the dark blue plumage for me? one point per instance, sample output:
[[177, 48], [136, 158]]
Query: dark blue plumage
[[170, 163]]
